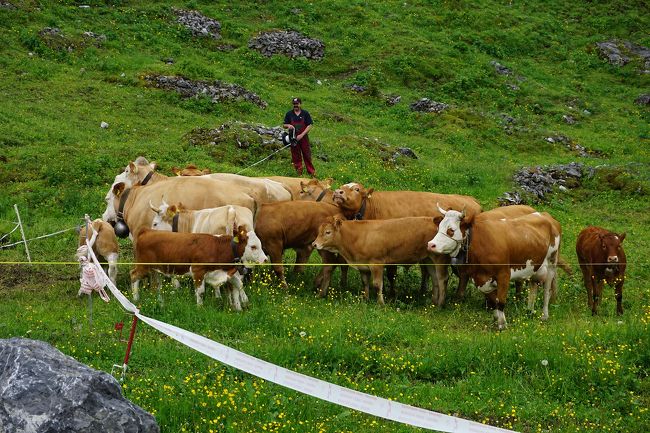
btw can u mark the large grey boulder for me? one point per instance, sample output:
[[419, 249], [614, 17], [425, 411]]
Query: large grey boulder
[[44, 391], [289, 43]]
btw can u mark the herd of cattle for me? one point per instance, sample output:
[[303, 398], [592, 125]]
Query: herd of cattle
[[215, 226]]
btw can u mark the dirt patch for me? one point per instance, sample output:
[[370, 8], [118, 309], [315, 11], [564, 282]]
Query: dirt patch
[[33, 278]]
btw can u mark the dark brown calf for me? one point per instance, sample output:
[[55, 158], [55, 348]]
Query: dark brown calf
[[602, 259]]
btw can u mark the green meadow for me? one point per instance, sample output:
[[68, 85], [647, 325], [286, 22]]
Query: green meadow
[[573, 373]]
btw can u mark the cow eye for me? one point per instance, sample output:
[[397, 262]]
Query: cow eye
[[450, 232], [356, 189], [327, 232]]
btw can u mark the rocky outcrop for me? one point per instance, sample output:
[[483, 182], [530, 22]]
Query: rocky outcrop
[[536, 183], [643, 99], [217, 91], [198, 24], [428, 106], [620, 53], [43, 390], [573, 146], [243, 134], [288, 43]]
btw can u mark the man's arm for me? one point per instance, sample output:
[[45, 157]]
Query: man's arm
[[300, 136], [287, 122]]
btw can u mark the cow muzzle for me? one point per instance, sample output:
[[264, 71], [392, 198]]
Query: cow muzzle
[[612, 259]]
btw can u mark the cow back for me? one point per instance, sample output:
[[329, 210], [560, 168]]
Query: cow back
[[400, 204]]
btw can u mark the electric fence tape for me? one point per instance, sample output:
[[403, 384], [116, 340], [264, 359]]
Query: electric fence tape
[[318, 388]]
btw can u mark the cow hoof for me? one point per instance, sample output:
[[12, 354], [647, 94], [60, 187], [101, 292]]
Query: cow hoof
[[544, 317]]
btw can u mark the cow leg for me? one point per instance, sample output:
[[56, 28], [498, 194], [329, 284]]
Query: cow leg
[[503, 283], [532, 295], [519, 288], [274, 252], [235, 294], [365, 278], [324, 277], [598, 291], [442, 277], [198, 275], [588, 281], [618, 290], [157, 284], [112, 267], [548, 290], [302, 256], [377, 273]]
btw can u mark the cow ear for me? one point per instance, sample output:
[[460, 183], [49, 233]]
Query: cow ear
[[206, 171], [369, 192], [176, 171], [132, 167], [327, 183], [171, 210], [437, 220], [621, 237], [337, 222], [118, 188], [303, 186], [154, 166]]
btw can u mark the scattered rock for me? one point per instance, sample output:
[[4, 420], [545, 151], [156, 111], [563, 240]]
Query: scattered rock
[[643, 99], [393, 99], [429, 106], [217, 91], [198, 24], [296, 11], [356, 88], [323, 157], [569, 119], [6, 5], [54, 38], [500, 69], [94, 38], [538, 182], [574, 147], [288, 43], [43, 390], [619, 53], [103, 125], [389, 154], [243, 134], [406, 151], [512, 87]]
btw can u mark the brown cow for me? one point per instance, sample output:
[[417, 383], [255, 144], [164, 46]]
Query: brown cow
[[295, 186], [293, 224], [369, 245], [207, 257], [190, 170], [602, 259], [105, 245], [502, 250]]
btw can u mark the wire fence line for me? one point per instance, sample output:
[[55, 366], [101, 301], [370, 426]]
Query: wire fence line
[[39, 237]]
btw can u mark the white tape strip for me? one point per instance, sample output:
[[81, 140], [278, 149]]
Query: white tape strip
[[342, 396]]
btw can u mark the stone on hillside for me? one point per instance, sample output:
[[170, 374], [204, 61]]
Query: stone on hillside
[[429, 106], [406, 151], [393, 99], [6, 5], [573, 146], [54, 38], [539, 182], [643, 99], [619, 53], [288, 43], [500, 69], [198, 24], [512, 87], [95, 38], [103, 125], [356, 88], [569, 119], [217, 91], [242, 133], [43, 390]]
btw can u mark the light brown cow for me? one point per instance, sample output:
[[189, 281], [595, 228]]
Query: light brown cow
[[190, 170], [267, 190], [194, 192], [209, 258], [370, 245], [294, 225], [215, 221], [303, 189], [602, 260], [105, 245], [502, 250]]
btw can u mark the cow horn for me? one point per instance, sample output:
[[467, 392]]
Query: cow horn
[[441, 210], [462, 214], [153, 208]]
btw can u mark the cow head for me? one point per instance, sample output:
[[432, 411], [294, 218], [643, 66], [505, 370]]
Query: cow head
[[312, 190], [450, 234], [132, 174], [329, 235], [253, 253], [349, 197], [611, 244], [164, 215], [190, 170]]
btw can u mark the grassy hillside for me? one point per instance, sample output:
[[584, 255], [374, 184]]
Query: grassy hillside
[[56, 163]]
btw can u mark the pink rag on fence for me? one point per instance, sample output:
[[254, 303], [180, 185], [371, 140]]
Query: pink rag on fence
[[91, 279]]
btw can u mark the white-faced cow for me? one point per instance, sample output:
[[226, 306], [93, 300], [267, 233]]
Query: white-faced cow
[[502, 250], [210, 258], [370, 245], [602, 260]]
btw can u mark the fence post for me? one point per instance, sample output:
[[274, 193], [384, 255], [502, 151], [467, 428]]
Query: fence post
[[22, 233]]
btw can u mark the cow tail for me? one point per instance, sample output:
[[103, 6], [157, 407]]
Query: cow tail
[[564, 265], [230, 220]]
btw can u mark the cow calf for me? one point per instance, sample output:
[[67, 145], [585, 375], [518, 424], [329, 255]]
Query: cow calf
[[105, 246], [602, 259]]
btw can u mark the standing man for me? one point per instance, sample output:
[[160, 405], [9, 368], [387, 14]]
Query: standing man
[[300, 121]]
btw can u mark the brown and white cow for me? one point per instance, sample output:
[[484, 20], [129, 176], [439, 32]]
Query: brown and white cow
[[502, 250], [133, 204], [207, 257], [190, 170], [294, 224], [602, 260], [105, 245], [370, 245]]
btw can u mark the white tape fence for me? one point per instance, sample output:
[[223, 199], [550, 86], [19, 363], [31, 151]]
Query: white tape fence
[[321, 389]]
